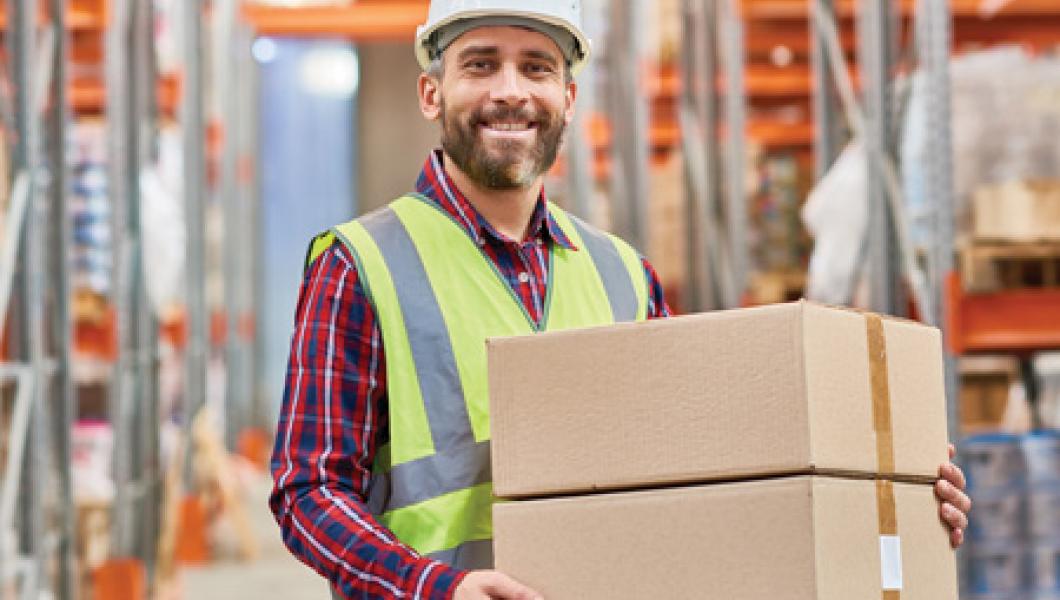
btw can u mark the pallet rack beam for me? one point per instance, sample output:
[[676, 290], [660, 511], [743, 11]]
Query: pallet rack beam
[[371, 21]]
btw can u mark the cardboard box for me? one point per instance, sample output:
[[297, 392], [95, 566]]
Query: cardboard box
[[796, 538], [742, 394], [1021, 211]]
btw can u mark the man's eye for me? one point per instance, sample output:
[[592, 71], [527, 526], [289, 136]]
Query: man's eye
[[478, 65], [539, 69]]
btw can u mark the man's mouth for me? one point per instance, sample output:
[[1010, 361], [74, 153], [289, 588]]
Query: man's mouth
[[509, 126]]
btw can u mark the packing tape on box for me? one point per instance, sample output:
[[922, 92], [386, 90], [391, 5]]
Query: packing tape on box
[[886, 512], [881, 395]]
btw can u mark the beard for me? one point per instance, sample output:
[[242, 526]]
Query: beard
[[511, 164]]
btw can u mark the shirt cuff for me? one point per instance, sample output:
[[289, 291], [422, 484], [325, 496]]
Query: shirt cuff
[[434, 580]]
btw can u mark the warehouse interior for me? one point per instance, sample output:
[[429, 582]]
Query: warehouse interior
[[165, 164]]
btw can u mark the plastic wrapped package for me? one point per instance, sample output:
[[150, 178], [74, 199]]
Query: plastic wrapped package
[[835, 215], [90, 208], [1005, 124]]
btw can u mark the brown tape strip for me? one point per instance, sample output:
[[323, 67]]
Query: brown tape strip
[[886, 512], [881, 395], [888, 515]]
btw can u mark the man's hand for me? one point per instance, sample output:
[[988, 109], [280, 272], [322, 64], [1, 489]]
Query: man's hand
[[954, 504], [493, 585]]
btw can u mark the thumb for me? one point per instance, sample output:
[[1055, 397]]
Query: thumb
[[502, 587]]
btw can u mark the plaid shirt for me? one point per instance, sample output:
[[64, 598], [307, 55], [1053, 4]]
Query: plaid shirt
[[334, 413]]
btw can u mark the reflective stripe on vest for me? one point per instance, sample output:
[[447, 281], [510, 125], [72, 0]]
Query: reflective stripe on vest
[[437, 298]]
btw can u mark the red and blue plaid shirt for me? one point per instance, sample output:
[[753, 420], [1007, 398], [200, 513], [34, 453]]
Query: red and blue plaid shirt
[[334, 413]]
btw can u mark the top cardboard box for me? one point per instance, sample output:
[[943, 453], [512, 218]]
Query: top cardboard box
[[740, 394]]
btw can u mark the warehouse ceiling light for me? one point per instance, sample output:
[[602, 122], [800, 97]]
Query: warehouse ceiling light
[[264, 50], [331, 72]]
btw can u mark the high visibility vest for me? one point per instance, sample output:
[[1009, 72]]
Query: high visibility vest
[[437, 298]]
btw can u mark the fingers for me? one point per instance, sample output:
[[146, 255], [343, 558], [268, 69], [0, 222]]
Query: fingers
[[952, 517], [947, 492], [956, 538], [953, 451], [501, 587], [953, 474]]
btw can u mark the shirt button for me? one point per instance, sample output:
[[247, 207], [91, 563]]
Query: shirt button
[[524, 277]]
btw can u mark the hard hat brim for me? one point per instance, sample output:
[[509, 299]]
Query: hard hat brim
[[424, 33]]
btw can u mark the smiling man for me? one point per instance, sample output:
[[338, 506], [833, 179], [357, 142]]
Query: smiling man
[[381, 463]]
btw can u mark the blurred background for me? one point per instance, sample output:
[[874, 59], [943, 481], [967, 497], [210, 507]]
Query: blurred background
[[164, 164]]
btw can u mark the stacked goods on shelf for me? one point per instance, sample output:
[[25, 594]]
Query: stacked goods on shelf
[[92, 447], [1042, 456], [1015, 240], [788, 451], [779, 242], [90, 208], [986, 384], [1014, 529], [1007, 170]]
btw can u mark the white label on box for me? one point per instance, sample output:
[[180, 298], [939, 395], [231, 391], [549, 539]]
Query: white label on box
[[891, 562]]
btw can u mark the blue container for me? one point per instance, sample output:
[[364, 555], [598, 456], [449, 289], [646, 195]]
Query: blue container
[[1043, 566], [993, 462], [997, 516], [1043, 512], [996, 568], [1041, 455]]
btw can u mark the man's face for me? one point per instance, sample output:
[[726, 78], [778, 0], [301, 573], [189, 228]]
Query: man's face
[[503, 104]]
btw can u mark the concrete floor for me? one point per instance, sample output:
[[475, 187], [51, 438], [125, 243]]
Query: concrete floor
[[275, 574]]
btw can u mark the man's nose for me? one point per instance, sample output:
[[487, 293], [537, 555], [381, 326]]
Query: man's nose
[[510, 87]]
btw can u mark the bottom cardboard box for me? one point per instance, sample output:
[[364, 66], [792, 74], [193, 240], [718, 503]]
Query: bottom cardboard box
[[792, 538]]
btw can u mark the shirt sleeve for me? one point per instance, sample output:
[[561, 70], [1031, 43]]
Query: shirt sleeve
[[334, 406], [657, 307]]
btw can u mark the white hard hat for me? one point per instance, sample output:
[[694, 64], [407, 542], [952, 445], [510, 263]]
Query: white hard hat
[[550, 16]]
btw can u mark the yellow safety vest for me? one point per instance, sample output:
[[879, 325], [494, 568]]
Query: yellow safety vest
[[437, 298]]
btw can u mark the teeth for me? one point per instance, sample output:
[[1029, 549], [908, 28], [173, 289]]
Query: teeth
[[510, 126]]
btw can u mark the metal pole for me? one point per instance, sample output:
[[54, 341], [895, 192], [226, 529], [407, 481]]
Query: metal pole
[[143, 141], [875, 48], [736, 160], [825, 107], [63, 400], [23, 18], [580, 159], [253, 289], [699, 126], [225, 70], [934, 43], [122, 402], [629, 122], [194, 140]]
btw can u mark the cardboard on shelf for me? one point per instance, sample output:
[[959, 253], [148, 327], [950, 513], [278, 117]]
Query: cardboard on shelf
[[1019, 211], [797, 538], [728, 395]]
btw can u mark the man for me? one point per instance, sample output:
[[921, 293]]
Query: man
[[382, 453]]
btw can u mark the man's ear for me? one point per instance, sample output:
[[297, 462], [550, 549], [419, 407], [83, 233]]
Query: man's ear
[[572, 96], [430, 97]]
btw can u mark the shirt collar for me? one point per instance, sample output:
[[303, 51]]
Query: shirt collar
[[435, 184]]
